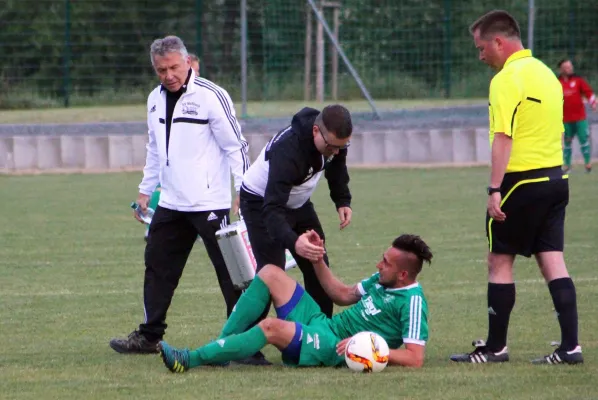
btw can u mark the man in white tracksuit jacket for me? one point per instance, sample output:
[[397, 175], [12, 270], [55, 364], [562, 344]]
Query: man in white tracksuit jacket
[[195, 142]]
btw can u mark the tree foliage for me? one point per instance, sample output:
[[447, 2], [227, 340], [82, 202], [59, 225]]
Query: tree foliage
[[105, 45]]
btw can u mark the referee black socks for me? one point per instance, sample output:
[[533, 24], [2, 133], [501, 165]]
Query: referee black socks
[[564, 298], [501, 299]]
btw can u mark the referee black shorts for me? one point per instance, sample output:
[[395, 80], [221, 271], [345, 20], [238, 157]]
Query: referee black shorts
[[534, 202]]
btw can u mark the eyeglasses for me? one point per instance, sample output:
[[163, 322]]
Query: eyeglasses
[[332, 146]]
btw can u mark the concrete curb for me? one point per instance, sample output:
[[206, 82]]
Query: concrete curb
[[118, 152]]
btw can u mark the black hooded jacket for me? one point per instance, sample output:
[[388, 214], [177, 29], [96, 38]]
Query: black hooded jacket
[[294, 164]]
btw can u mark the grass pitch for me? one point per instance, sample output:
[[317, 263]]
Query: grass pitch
[[72, 271]]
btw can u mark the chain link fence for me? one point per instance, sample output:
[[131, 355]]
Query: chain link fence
[[67, 52]]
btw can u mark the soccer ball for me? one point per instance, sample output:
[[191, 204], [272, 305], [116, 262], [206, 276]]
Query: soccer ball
[[367, 352]]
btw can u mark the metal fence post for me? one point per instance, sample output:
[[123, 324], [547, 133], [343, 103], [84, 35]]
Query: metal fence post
[[320, 62], [66, 56], [531, 17], [348, 64], [307, 66], [571, 30], [243, 58], [447, 48], [198, 36]]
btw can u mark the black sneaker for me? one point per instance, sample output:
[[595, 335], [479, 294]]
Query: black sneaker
[[481, 355], [561, 357], [256, 359], [588, 169], [136, 343]]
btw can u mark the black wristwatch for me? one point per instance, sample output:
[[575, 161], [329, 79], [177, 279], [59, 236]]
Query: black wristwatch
[[491, 190]]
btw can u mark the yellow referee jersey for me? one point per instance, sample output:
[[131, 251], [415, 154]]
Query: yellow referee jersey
[[526, 103]]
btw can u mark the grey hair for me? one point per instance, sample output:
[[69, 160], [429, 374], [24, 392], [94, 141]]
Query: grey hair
[[169, 44]]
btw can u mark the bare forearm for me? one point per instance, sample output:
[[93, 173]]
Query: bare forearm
[[501, 152], [340, 293], [405, 358]]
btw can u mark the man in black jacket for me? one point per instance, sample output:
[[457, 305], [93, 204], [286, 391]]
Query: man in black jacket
[[276, 191]]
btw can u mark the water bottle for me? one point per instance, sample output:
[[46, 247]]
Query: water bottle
[[145, 217]]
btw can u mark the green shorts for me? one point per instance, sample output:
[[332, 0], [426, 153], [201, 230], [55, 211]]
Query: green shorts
[[579, 129], [318, 341]]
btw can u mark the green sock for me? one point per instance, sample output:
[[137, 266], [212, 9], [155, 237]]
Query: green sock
[[586, 151], [583, 134], [249, 307], [234, 347], [567, 154]]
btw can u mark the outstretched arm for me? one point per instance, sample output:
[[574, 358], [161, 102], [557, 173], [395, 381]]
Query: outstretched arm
[[341, 294]]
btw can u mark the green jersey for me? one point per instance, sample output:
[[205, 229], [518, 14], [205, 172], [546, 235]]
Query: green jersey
[[398, 315]]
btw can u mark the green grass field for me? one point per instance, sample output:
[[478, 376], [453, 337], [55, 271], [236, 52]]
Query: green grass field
[[72, 268], [123, 113]]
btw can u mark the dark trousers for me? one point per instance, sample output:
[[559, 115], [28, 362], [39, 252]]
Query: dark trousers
[[268, 251], [172, 235]]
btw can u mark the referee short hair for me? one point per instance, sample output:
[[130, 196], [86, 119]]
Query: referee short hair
[[496, 21], [336, 119]]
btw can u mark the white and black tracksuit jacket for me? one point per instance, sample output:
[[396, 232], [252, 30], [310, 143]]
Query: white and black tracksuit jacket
[[193, 160]]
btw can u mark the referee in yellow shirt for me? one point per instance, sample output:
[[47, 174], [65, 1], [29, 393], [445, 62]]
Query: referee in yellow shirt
[[528, 192]]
